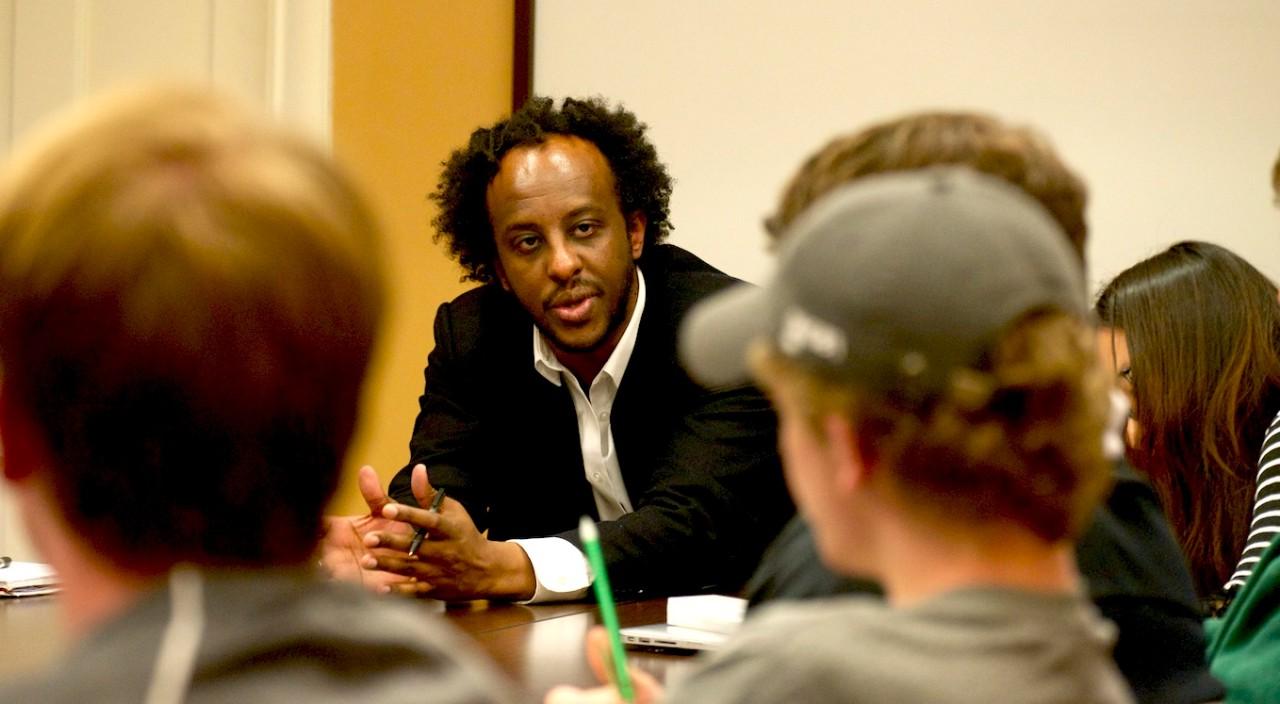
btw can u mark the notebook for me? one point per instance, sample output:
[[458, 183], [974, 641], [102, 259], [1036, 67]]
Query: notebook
[[27, 579]]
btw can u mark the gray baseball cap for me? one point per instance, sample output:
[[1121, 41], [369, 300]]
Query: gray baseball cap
[[893, 282]]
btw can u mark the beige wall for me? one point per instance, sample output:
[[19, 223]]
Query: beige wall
[[411, 79], [1169, 109]]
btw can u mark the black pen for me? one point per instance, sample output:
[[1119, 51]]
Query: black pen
[[421, 534]]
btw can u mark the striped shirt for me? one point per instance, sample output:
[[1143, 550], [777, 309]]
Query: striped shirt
[[1266, 508]]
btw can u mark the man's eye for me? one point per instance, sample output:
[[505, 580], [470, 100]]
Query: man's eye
[[585, 229], [525, 243]]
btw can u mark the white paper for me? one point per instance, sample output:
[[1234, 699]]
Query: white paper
[[27, 579], [707, 612]]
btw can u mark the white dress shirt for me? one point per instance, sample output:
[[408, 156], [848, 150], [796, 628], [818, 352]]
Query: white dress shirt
[[559, 568]]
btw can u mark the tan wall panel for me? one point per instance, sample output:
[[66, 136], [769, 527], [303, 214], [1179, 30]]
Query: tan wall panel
[[411, 80]]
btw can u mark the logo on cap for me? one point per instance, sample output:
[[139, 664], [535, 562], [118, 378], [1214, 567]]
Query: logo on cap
[[801, 332]]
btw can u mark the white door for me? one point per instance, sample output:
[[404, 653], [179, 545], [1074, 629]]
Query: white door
[[274, 53]]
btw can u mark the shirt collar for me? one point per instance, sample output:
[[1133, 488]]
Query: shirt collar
[[546, 363]]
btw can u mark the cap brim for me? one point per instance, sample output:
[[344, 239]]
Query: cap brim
[[717, 332]]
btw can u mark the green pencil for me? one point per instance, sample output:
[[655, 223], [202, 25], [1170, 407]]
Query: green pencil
[[608, 614]]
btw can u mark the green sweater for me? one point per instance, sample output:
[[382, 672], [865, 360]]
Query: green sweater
[[1244, 644]]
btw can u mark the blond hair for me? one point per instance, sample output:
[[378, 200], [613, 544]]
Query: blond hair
[[1018, 441], [188, 300], [1015, 154]]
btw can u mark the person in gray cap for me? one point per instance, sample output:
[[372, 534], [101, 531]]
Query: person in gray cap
[[1132, 566], [939, 420]]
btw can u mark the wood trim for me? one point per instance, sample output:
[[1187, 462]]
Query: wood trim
[[522, 54]]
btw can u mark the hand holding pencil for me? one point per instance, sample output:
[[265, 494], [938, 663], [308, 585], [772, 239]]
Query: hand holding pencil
[[604, 645], [608, 614]]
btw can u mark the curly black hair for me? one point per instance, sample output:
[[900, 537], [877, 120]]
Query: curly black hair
[[641, 181]]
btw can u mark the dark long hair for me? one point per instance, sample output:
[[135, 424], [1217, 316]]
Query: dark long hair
[[1203, 329]]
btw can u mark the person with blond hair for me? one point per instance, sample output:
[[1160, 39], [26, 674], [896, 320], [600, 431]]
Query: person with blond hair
[[188, 300]]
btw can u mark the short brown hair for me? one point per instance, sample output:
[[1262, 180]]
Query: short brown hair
[[1018, 441], [188, 299], [1016, 154]]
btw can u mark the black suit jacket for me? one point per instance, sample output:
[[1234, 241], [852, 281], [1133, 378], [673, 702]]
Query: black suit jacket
[[700, 466]]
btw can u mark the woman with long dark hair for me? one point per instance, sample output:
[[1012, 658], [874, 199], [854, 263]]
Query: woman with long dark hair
[[1194, 334]]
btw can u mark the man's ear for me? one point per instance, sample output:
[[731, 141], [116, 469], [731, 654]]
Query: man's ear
[[849, 463], [636, 224], [500, 274], [20, 439]]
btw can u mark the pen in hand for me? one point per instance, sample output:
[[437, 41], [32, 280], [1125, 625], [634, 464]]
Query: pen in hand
[[421, 534]]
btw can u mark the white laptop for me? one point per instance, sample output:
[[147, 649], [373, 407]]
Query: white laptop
[[665, 636], [701, 622]]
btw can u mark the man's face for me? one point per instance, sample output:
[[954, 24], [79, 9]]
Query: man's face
[[809, 465], [832, 485], [565, 249], [803, 454]]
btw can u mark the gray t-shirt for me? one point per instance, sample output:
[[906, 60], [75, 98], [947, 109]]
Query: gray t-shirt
[[973, 645], [278, 636]]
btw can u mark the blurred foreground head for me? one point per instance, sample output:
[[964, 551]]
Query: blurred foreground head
[[188, 299]]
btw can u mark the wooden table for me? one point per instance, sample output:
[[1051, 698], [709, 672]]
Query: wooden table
[[538, 646], [30, 634], [542, 646]]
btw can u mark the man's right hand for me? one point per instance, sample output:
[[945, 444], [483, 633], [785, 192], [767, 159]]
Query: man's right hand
[[342, 546]]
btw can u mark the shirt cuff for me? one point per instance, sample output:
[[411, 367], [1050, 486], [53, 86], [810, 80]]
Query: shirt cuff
[[559, 569]]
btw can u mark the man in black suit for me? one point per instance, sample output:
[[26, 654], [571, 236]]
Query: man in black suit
[[554, 392]]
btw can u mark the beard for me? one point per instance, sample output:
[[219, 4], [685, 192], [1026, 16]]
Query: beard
[[615, 319]]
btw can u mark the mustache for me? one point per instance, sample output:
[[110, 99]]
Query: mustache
[[575, 291]]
